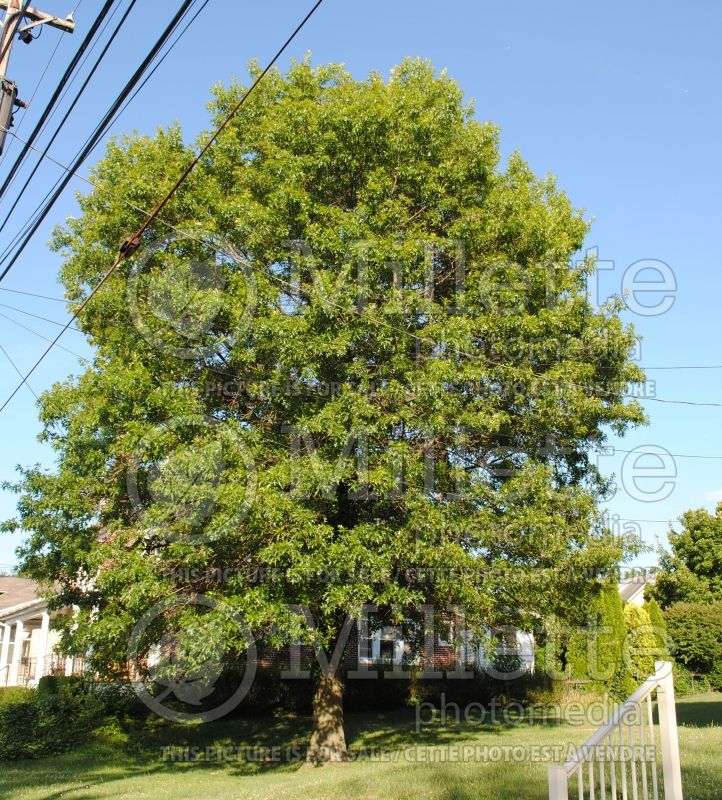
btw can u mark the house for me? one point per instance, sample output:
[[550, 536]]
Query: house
[[394, 648], [387, 645], [632, 586], [26, 642]]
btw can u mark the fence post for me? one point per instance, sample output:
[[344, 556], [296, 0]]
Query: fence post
[[668, 732], [558, 784]]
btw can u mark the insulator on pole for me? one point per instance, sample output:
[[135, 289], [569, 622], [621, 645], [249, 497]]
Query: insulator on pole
[[8, 101]]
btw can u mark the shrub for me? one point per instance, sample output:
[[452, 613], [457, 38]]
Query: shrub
[[14, 694], [50, 720], [640, 648], [696, 633], [686, 683], [62, 684], [118, 699], [659, 627], [715, 676], [596, 653]]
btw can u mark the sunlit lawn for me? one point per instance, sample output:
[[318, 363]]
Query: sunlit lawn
[[124, 766]]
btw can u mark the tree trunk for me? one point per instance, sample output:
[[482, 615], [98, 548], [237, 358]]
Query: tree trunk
[[328, 740]]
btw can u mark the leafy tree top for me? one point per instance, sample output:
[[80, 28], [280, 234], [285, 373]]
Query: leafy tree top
[[692, 570], [418, 379]]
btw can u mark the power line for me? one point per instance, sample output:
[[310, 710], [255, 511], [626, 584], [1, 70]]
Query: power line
[[674, 402], [68, 112], [131, 244], [32, 294], [70, 69], [687, 366], [93, 140], [673, 455], [79, 69], [37, 316], [163, 58], [15, 367], [45, 154], [70, 83], [40, 336]]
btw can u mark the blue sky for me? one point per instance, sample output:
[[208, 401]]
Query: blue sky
[[619, 100]]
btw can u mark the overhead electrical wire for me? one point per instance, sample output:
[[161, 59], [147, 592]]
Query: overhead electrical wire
[[45, 154], [15, 367], [163, 58], [91, 142], [66, 115], [37, 316], [40, 336], [79, 69], [29, 143], [132, 242], [32, 294], [69, 71]]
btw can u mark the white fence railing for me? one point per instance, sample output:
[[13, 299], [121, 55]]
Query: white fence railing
[[620, 760]]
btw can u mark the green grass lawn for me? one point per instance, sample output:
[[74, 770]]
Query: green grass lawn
[[119, 766]]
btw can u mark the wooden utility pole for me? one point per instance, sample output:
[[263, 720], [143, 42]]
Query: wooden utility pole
[[21, 20]]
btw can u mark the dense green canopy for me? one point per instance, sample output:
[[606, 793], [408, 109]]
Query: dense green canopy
[[354, 350], [692, 571]]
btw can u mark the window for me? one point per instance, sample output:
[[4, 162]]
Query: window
[[387, 648], [446, 632], [365, 640]]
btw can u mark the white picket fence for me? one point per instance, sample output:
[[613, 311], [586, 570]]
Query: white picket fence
[[620, 760]]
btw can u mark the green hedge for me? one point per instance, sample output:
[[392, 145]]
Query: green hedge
[[47, 722], [696, 633], [14, 694]]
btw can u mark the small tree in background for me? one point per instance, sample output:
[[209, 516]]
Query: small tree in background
[[659, 627], [640, 645], [692, 571], [596, 652]]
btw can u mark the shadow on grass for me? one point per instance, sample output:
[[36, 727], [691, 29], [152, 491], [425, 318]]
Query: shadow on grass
[[238, 747], [398, 729], [700, 711]]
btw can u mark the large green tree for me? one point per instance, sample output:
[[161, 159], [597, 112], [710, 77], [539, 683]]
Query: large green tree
[[419, 380]]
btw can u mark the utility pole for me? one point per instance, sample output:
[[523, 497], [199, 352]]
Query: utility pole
[[17, 13]]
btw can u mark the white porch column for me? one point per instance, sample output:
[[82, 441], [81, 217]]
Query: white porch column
[[69, 665], [4, 653], [17, 652], [42, 652]]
